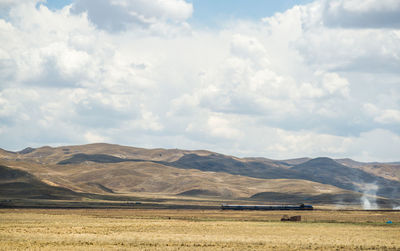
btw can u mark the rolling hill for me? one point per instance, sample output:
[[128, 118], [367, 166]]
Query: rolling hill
[[20, 184], [115, 170]]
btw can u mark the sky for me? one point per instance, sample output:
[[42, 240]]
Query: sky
[[274, 79]]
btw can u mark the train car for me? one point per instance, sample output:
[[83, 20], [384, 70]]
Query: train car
[[267, 207]]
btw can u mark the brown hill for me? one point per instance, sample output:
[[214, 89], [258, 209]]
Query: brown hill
[[149, 177], [53, 155], [114, 169], [390, 171], [20, 184]]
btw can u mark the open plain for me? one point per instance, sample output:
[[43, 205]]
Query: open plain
[[133, 229]]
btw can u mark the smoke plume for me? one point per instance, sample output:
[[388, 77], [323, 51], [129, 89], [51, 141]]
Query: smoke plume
[[368, 199]]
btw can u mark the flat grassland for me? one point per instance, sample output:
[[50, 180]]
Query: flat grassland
[[91, 229]]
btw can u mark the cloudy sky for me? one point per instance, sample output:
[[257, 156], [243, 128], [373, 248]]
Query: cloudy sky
[[277, 79]]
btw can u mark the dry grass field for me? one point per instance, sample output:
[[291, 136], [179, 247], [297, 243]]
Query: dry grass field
[[61, 229]]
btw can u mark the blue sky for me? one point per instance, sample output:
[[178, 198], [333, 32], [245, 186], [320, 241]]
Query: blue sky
[[211, 12], [57, 4], [320, 79], [215, 12]]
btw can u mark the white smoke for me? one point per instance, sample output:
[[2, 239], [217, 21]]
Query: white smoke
[[396, 208], [368, 199]]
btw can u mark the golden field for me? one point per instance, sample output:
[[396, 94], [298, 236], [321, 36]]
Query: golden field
[[91, 229]]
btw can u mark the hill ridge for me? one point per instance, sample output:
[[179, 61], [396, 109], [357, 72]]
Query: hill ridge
[[111, 168]]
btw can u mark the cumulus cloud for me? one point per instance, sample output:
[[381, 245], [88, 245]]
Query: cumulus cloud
[[383, 116], [289, 85], [337, 48], [5, 5], [118, 15], [362, 14], [94, 138]]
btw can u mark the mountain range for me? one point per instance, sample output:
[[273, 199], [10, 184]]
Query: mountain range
[[114, 173]]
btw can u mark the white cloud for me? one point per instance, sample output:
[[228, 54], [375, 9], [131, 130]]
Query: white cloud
[[369, 5], [118, 15], [377, 144], [92, 137], [221, 127], [165, 9], [148, 121], [333, 83], [362, 13], [389, 116], [6, 4], [249, 48], [287, 86], [382, 116], [347, 49]]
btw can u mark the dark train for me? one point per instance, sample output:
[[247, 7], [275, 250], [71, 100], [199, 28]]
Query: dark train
[[267, 207]]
